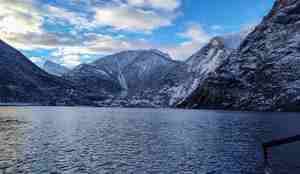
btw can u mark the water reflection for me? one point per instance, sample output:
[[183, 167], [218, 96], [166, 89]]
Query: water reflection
[[11, 138], [93, 140]]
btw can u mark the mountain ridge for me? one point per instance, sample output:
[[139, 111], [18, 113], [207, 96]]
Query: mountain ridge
[[256, 69], [123, 70], [23, 81], [264, 74], [54, 68]]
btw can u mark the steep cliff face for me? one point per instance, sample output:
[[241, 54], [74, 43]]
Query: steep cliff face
[[264, 73], [182, 80]]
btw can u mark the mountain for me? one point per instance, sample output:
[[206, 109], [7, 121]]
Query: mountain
[[21, 81], [123, 74], [146, 69], [54, 68], [97, 82], [264, 73], [181, 81]]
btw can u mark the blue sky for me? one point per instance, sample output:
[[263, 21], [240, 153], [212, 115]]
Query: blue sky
[[71, 32]]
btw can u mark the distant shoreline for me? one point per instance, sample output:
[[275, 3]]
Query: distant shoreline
[[20, 104], [119, 107]]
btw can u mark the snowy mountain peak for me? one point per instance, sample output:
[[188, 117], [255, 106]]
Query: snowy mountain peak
[[124, 71], [198, 66], [215, 48], [136, 53], [264, 73], [217, 42], [166, 55], [54, 68]]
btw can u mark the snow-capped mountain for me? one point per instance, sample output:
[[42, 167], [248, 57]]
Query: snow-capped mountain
[[129, 78], [97, 81], [123, 74], [146, 69], [23, 82], [184, 79], [257, 69], [54, 68], [264, 73]]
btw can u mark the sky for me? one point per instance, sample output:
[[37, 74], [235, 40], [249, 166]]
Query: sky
[[70, 32]]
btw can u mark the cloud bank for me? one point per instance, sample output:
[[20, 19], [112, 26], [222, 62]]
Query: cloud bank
[[82, 30]]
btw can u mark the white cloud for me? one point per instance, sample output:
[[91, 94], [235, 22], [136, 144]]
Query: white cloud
[[196, 37], [95, 45], [183, 50], [37, 60], [19, 21], [216, 27], [195, 33], [168, 5], [22, 26], [33, 41], [19, 16], [28, 34], [71, 60], [58, 15], [11, 23], [130, 16], [125, 17]]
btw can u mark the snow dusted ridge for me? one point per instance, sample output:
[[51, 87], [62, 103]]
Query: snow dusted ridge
[[151, 78], [253, 70], [264, 73], [198, 67], [162, 54], [141, 78], [124, 74], [22, 82]]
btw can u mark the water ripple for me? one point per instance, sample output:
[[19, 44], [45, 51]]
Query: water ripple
[[41, 140]]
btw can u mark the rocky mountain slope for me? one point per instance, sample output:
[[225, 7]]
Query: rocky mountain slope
[[184, 79], [181, 81], [21, 81], [123, 74], [264, 73], [54, 68], [99, 84]]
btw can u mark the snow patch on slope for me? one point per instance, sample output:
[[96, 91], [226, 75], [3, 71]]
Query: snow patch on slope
[[207, 60]]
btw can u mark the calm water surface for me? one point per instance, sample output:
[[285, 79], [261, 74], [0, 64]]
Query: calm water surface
[[59, 140]]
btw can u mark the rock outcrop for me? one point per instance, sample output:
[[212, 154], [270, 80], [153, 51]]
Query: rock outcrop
[[264, 73]]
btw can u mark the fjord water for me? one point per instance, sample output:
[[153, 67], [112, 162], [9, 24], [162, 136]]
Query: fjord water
[[82, 140]]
